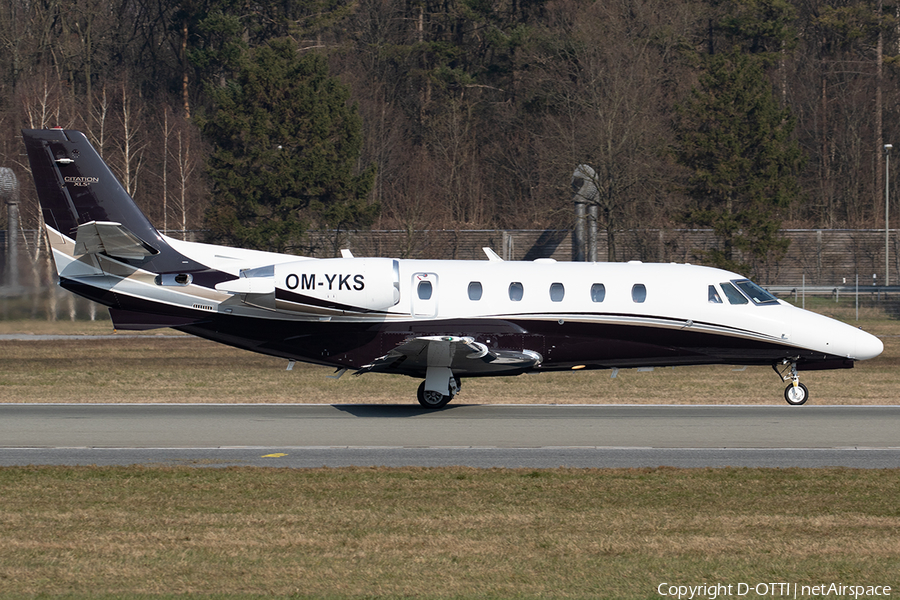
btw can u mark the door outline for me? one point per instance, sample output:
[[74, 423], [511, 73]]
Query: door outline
[[423, 308]]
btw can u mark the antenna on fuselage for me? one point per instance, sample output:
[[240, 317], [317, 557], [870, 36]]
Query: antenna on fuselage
[[491, 255]]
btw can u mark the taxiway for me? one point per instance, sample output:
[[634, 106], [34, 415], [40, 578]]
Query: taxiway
[[473, 435]]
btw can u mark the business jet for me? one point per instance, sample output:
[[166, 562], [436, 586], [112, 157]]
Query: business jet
[[440, 321]]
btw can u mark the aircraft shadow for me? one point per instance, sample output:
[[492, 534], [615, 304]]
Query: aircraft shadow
[[392, 411]]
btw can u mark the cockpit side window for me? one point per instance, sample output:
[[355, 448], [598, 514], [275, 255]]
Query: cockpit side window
[[714, 297], [755, 293], [734, 296]]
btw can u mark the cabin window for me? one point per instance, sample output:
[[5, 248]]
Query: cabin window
[[714, 297], [755, 293], [639, 292], [516, 291], [424, 290], [475, 290], [598, 292], [734, 296], [557, 292]]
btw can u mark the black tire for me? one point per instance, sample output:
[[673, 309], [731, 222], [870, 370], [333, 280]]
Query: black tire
[[431, 399], [796, 396]]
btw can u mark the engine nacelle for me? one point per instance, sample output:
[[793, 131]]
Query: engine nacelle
[[349, 284]]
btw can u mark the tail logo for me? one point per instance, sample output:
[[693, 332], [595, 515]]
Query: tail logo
[[81, 181]]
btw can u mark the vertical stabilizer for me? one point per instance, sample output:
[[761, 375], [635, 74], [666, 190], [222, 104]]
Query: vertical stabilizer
[[80, 197], [75, 186]]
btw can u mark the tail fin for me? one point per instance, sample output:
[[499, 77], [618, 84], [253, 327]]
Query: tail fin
[[75, 186], [87, 208]]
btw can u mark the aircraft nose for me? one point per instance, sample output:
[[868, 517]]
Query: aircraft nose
[[867, 345]]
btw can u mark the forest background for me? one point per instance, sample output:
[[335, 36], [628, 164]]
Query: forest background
[[472, 114]]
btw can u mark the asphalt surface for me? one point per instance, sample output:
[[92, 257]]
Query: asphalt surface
[[529, 436]]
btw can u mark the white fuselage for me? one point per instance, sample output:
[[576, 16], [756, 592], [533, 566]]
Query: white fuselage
[[676, 296]]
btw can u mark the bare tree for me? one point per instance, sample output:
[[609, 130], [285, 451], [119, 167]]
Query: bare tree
[[99, 113], [186, 163], [607, 100], [132, 145]]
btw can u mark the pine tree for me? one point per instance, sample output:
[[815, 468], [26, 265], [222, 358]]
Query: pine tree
[[285, 148], [737, 143]]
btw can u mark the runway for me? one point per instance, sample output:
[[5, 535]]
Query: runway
[[528, 436]]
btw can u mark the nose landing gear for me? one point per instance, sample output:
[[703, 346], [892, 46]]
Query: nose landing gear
[[795, 393]]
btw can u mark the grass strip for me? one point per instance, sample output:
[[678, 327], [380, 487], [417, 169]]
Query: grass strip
[[92, 532]]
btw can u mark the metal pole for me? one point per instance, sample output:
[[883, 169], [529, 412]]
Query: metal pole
[[578, 234], [12, 240], [9, 188], [584, 188], [887, 207]]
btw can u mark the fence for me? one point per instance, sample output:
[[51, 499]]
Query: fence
[[820, 259], [823, 257]]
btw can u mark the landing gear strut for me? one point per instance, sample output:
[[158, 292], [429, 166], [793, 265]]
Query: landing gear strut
[[795, 393]]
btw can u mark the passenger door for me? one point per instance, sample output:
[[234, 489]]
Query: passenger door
[[424, 295]]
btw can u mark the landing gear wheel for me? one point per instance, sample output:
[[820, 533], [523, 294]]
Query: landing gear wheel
[[430, 398], [796, 396]]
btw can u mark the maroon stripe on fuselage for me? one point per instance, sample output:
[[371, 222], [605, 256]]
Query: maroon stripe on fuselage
[[302, 299]]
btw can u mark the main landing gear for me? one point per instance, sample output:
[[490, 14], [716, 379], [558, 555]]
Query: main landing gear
[[795, 393], [431, 398]]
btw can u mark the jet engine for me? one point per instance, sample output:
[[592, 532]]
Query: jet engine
[[350, 284]]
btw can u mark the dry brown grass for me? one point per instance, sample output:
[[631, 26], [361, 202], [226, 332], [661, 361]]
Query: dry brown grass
[[440, 532], [159, 368]]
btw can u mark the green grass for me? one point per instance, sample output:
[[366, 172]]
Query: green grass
[[439, 533]]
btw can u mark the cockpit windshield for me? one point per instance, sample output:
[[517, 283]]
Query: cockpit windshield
[[758, 295]]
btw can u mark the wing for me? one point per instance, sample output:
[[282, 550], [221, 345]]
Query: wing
[[462, 355]]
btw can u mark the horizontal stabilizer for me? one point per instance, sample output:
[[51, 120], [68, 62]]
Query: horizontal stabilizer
[[112, 239]]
